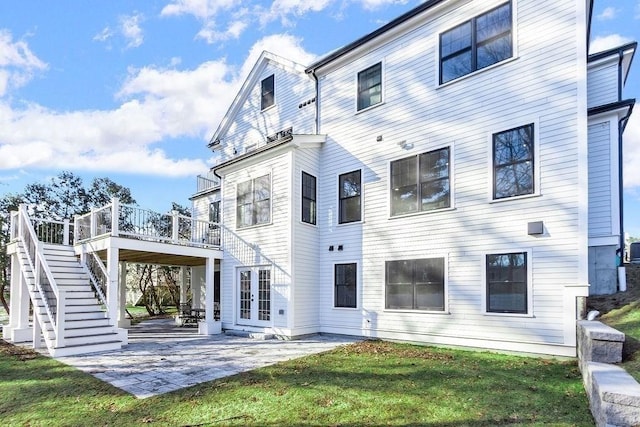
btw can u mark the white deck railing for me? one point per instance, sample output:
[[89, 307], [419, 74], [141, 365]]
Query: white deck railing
[[143, 224]]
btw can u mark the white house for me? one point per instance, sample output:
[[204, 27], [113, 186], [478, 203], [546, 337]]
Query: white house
[[451, 178]]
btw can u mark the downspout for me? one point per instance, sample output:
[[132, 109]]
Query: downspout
[[317, 118], [622, 124]]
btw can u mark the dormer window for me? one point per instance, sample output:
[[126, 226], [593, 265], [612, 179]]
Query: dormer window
[[267, 98]]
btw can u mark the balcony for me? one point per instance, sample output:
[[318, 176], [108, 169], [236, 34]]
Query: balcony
[[207, 183]]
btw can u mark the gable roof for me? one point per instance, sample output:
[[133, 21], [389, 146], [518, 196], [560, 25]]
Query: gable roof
[[264, 59]]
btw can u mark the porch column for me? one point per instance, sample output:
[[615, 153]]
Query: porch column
[[197, 279], [209, 326], [123, 322], [112, 287], [18, 329], [183, 285]]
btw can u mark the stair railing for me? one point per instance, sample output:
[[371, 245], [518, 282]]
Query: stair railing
[[97, 273], [52, 297]]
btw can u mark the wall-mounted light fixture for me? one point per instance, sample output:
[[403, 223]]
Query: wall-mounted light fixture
[[535, 228]]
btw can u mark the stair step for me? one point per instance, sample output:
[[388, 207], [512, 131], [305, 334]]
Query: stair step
[[85, 349], [248, 334], [90, 339], [82, 332], [85, 315]]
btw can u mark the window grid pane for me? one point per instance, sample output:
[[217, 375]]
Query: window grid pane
[[345, 285], [267, 98], [415, 284], [370, 86], [350, 193], [253, 202], [308, 198], [264, 295], [507, 283], [513, 158], [478, 43]]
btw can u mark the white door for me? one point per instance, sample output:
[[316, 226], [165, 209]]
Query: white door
[[254, 296]]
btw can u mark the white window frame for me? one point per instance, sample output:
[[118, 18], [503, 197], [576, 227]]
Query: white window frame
[[315, 177], [508, 250], [472, 15], [452, 204], [235, 196], [415, 257], [382, 90], [344, 224], [274, 92], [536, 159]]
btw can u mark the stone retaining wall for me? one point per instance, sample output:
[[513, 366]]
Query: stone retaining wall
[[614, 395]]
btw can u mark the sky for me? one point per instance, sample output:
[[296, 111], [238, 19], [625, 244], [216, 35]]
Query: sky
[[133, 90]]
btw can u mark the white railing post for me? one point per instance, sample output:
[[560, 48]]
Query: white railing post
[[115, 216], [60, 318], [175, 222], [37, 331], [93, 225], [65, 237]]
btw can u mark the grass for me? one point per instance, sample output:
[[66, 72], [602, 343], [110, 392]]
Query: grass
[[369, 383], [627, 320]]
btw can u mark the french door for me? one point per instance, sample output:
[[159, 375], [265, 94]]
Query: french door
[[254, 296]]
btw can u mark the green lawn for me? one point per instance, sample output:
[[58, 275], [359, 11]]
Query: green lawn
[[370, 383], [626, 319]]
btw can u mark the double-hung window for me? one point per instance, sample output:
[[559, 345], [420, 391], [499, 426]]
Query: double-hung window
[[345, 282], [350, 194], [475, 44], [254, 202], [308, 198], [370, 86], [507, 283], [267, 98], [421, 183], [513, 162], [416, 284]]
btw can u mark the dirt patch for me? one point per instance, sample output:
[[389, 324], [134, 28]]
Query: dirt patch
[[383, 348], [22, 353], [606, 303]]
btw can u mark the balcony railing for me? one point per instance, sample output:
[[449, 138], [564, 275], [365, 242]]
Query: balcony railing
[[208, 182]]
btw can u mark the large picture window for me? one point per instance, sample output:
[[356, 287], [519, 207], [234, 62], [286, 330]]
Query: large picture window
[[421, 183], [416, 284], [513, 162], [507, 283], [350, 193], [483, 41], [267, 98], [370, 86], [254, 202], [308, 198], [345, 285]]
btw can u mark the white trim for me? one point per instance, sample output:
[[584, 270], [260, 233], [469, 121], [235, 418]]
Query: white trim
[[483, 275], [358, 285], [262, 110], [506, 126], [302, 171], [253, 269], [614, 171], [251, 177], [445, 310], [382, 88], [451, 206]]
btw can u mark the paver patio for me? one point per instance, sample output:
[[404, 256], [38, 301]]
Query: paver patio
[[161, 358]]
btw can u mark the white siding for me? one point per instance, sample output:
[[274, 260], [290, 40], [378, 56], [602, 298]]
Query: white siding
[[251, 126], [600, 197], [538, 86], [602, 83]]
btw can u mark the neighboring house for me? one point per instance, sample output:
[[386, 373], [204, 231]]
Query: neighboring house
[[451, 178]]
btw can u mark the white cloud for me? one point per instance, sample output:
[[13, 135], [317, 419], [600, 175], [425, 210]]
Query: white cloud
[[375, 4], [201, 9], [602, 43], [103, 35], [607, 14], [156, 105], [130, 28], [233, 31], [18, 64], [632, 152]]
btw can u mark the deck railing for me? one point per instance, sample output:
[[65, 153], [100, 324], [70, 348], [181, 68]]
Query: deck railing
[[143, 224], [208, 182]]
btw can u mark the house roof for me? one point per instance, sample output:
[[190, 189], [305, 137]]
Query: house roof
[[625, 52], [429, 4], [264, 59]]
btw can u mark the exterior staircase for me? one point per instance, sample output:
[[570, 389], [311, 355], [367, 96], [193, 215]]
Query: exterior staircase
[[87, 328]]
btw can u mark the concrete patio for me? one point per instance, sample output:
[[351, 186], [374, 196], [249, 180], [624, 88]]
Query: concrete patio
[[161, 357]]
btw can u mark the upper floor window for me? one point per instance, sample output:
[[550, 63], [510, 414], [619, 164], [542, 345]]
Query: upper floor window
[[254, 202], [513, 162], [416, 284], [308, 198], [267, 98], [507, 283], [214, 211], [420, 183], [476, 44], [350, 192], [370, 86]]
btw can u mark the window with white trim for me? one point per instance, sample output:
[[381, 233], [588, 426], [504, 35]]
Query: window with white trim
[[370, 86], [267, 91], [345, 284], [308, 198], [421, 183], [507, 287], [350, 194], [513, 162], [253, 201], [475, 44], [415, 284]]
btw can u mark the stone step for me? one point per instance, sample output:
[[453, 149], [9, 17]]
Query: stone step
[[248, 334], [85, 349]]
